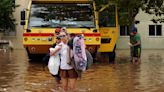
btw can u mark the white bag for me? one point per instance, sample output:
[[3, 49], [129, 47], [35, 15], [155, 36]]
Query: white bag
[[53, 64]]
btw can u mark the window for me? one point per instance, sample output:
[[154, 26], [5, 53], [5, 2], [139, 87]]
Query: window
[[155, 30], [124, 30], [107, 18], [58, 15]]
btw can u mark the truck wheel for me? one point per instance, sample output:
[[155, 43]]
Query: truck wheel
[[30, 56], [112, 56], [93, 51]]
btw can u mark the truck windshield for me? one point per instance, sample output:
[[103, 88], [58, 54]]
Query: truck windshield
[[59, 15]]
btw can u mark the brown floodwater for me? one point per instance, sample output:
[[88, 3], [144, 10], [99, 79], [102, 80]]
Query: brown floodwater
[[17, 74]]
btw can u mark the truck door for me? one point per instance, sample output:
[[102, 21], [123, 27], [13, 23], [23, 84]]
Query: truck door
[[108, 26]]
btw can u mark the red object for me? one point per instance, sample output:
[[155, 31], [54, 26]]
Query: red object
[[57, 30], [38, 34], [97, 39], [51, 34]]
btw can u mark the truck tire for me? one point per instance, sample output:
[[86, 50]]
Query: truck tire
[[30, 56], [112, 56]]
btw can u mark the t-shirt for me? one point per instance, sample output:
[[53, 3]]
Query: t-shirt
[[65, 57], [137, 38]]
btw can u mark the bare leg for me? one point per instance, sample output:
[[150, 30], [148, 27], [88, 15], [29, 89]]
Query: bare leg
[[73, 84], [136, 60], [65, 84], [133, 60]]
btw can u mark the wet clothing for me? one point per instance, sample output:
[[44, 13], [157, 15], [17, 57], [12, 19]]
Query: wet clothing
[[131, 48], [137, 52], [136, 49], [68, 73], [57, 77], [137, 38]]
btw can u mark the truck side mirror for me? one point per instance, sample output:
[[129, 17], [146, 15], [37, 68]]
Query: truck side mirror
[[23, 17]]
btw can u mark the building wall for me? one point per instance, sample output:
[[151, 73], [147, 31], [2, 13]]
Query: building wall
[[148, 42], [17, 40]]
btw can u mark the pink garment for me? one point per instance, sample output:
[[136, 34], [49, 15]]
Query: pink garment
[[79, 53]]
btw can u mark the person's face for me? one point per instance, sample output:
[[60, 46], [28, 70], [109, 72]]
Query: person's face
[[57, 33], [58, 40], [63, 36]]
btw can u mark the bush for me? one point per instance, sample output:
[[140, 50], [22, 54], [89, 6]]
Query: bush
[[7, 21]]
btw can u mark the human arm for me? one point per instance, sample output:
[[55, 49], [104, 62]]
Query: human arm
[[53, 51], [137, 39], [136, 44]]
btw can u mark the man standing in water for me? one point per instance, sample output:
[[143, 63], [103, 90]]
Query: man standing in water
[[135, 45]]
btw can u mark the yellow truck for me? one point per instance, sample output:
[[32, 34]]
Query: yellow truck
[[42, 17]]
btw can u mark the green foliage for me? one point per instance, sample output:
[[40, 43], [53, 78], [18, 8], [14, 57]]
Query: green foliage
[[7, 22], [155, 7], [128, 9]]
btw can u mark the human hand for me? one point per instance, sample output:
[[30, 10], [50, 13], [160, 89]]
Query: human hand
[[130, 44], [51, 51]]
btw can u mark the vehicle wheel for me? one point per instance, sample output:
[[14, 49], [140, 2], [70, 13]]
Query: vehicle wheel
[[93, 51], [112, 56], [29, 54]]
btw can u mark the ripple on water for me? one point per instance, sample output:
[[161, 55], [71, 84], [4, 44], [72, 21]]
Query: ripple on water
[[17, 74]]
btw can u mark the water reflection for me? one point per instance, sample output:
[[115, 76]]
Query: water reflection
[[12, 70], [19, 75]]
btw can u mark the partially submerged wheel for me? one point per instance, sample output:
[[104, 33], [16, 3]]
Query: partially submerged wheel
[[93, 51]]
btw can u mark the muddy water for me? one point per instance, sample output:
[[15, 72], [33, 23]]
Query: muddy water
[[19, 75]]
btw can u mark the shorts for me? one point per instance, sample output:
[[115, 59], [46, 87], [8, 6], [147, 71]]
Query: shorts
[[68, 73], [137, 52]]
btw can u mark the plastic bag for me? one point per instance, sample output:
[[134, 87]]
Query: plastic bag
[[53, 64]]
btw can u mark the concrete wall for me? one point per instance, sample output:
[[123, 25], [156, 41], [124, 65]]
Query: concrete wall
[[17, 40], [148, 42]]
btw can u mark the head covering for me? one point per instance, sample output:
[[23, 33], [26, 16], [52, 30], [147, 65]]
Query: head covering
[[57, 30], [133, 29]]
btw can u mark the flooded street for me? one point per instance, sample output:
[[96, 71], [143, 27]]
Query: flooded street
[[19, 75]]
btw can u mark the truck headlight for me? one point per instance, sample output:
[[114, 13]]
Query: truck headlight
[[25, 39]]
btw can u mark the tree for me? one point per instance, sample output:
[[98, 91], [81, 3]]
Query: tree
[[128, 9], [7, 21], [155, 7]]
